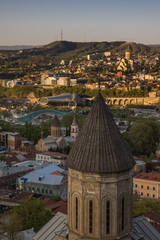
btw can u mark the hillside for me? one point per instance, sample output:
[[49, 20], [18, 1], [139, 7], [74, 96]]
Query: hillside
[[58, 50], [67, 49]]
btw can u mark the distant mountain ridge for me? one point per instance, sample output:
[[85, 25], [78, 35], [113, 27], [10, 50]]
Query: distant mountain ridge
[[17, 47]]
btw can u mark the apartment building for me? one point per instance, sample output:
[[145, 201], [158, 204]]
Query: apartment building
[[147, 185], [10, 140]]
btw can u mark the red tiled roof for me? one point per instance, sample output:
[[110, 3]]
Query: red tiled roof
[[56, 173], [153, 176], [54, 154], [9, 195], [11, 160], [60, 206]]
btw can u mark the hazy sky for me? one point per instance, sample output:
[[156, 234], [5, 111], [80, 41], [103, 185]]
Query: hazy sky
[[37, 22]]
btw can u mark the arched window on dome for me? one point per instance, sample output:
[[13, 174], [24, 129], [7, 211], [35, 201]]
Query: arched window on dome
[[90, 216], [122, 214], [108, 217], [76, 211]]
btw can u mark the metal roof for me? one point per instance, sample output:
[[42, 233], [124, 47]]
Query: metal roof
[[45, 176], [142, 229], [49, 179], [50, 168], [55, 227], [21, 167]]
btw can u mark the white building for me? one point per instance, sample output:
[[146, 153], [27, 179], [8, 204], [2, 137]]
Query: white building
[[63, 81], [52, 157]]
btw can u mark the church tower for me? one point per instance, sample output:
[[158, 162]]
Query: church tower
[[74, 128], [128, 54], [55, 128], [99, 179]]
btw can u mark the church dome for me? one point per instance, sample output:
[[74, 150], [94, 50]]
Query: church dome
[[99, 147], [55, 122]]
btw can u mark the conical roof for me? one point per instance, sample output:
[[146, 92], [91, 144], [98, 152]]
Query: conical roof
[[99, 146], [55, 122], [74, 121]]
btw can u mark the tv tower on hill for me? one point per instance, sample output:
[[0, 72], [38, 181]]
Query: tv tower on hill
[[61, 35]]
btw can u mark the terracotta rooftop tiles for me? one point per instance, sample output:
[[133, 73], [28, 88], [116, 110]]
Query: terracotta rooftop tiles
[[152, 176]]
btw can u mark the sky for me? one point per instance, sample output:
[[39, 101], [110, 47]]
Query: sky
[[39, 22]]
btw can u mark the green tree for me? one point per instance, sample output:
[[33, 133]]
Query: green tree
[[30, 132], [5, 114], [7, 126], [146, 205], [57, 198], [68, 119], [143, 137], [33, 213], [10, 225], [46, 128], [2, 157]]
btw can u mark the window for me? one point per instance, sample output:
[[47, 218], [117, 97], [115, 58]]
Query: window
[[108, 217], [42, 190], [90, 216], [136, 185], [153, 195], [46, 190], [147, 187], [76, 213], [141, 186], [50, 191], [122, 214], [154, 188], [141, 193], [147, 194]]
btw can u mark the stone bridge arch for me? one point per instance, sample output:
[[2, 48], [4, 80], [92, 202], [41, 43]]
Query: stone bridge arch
[[132, 101], [115, 101], [109, 102], [120, 102], [126, 101]]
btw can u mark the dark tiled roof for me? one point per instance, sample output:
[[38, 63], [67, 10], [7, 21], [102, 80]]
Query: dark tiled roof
[[143, 230], [99, 146], [56, 122]]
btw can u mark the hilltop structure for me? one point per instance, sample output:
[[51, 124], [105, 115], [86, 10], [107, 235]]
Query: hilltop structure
[[100, 179], [126, 63]]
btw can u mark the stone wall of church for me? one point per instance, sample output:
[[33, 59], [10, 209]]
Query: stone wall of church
[[55, 132], [100, 190]]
